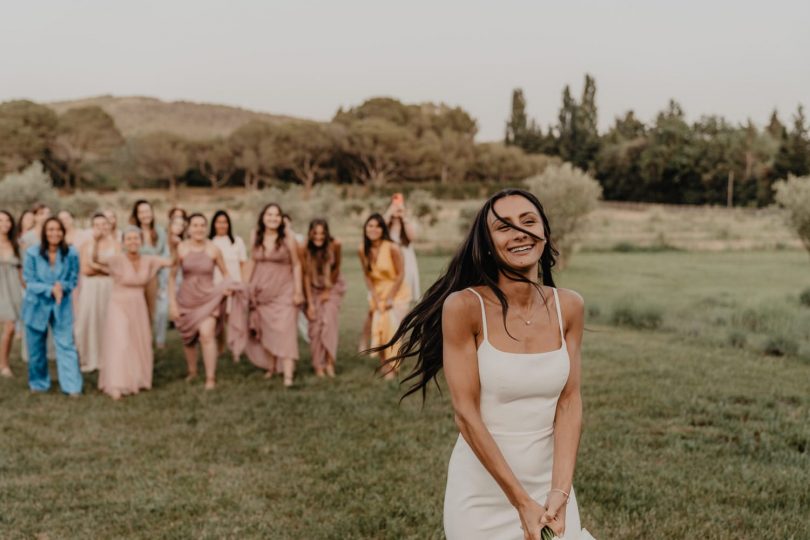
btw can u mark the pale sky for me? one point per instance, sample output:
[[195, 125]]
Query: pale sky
[[306, 58]]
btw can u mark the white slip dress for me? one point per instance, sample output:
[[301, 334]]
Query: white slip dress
[[518, 402]]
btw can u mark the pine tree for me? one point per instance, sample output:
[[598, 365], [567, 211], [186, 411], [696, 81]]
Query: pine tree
[[794, 153], [517, 125]]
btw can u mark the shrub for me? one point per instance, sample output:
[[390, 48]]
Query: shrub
[[19, 191], [780, 345], [644, 317], [594, 311], [794, 195], [737, 339], [568, 195], [804, 297], [81, 204]]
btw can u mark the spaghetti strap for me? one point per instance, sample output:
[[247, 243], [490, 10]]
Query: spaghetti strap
[[483, 312], [559, 315]]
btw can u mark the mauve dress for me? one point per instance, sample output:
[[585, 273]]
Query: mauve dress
[[126, 347], [272, 317], [323, 329], [198, 297]]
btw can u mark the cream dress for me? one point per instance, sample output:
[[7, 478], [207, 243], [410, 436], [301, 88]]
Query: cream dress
[[519, 395]]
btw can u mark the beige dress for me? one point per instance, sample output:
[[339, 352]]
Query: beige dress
[[519, 393], [126, 351], [91, 312]]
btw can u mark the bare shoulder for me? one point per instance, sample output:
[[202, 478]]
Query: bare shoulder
[[571, 302], [459, 306], [214, 250]]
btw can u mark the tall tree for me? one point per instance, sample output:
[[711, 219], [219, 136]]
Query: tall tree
[[26, 131], [252, 155], [83, 135], [213, 159], [377, 150], [162, 156], [794, 154], [306, 149]]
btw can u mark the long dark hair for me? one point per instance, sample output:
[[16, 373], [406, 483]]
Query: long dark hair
[[12, 233], [475, 263], [404, 240], [133, 219], [43, 238], [213, 232], [319, 255], [367, 243], [260, 228]]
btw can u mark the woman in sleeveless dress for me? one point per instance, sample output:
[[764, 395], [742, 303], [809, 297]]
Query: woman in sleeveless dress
[[324, 288], [402, 229], [198, 307], [389, 295], [96, 285], [155, 242], [126, 347], [275, 288], [509, 343], [10, 288]]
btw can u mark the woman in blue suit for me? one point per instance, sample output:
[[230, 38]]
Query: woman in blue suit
[[50, 271]]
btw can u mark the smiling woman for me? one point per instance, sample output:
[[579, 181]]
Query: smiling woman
[[514, 385]]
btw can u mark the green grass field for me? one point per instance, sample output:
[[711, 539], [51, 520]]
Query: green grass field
[[685, 435]]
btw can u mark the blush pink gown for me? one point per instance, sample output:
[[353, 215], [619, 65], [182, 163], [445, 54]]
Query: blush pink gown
[[198, 297], [273, 317], [126, 347]]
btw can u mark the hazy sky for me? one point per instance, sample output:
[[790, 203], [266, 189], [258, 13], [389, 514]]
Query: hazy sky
[[306, 58]]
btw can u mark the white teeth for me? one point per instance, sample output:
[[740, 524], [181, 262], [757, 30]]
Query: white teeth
[[521, 249]]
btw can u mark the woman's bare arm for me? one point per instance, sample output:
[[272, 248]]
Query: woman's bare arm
[[460, 358], [399, 266]]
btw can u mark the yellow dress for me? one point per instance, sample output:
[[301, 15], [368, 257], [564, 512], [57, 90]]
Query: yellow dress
[[383, 276]]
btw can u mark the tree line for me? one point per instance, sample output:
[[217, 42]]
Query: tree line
[[379, 141], [709, 161]]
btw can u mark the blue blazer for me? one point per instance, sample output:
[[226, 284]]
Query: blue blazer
[[40, 277]]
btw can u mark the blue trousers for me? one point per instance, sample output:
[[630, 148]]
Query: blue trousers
[[67, 359]]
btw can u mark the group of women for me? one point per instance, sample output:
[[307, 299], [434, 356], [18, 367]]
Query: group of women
[[102, 297], [508, 340]]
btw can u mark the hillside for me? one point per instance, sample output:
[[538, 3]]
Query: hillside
[[138, 115]]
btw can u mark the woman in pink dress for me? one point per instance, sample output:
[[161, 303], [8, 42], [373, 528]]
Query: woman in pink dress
[[324, 288], [96, 284], [274, 282], [126, 347], [198, 307]]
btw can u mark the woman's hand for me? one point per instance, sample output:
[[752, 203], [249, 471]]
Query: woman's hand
[[298, 299], [554, 516], [310, 313], [530, 514], [388, 303], [57, 292], [174, 313]]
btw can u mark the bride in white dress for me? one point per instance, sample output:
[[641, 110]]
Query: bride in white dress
[[509, 343]]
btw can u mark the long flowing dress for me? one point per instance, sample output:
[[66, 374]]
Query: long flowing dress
[[91, 314], [519, 393], [198, 297], [10, 289], [273, 316], [383, 275], [126, 347], [323, 330], [410, 264]]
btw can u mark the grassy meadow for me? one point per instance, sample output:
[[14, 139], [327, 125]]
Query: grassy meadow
[[685, 435]]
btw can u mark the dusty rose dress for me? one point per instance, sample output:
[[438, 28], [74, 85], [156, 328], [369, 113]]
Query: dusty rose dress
[[272, 316], [198, 297], [323, 329], [126, 347]]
